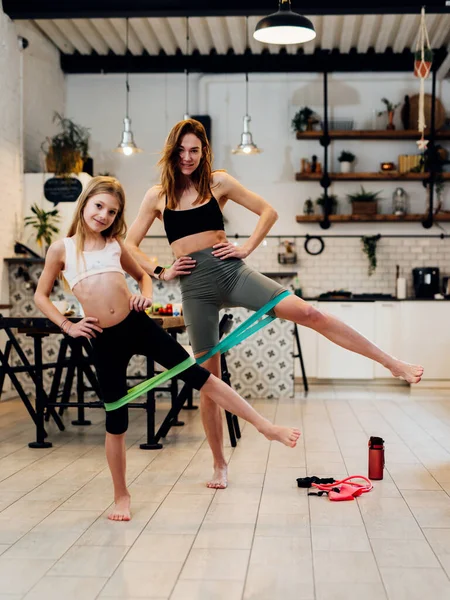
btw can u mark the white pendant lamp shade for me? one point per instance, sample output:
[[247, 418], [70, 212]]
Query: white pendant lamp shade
[[284, 27], [127, 144], [246, 146]]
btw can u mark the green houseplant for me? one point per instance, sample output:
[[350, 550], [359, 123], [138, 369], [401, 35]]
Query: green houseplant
[[390, 110], [369, 246], [303, 120], [44, 223], [333, 199], [363, 202], [67, 150], [346, 159]]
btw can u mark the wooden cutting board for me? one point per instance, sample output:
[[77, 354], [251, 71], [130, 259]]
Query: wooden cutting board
[[439, 118]]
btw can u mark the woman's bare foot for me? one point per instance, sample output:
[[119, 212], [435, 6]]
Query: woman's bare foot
[[219, 480], [406, 371], [286, 435], [121, 510]]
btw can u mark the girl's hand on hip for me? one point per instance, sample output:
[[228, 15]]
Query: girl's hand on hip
[[139, 303], [229, 250], [84, 328], [182, 266]]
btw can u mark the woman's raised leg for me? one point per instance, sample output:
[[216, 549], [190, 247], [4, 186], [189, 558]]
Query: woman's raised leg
[[298, 311]]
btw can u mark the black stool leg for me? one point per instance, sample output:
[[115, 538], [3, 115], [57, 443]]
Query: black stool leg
[[57, 375], [173, 397], [40, 396], [299, 355], [190, 402], [78, 350], [232, 420], [152, 443]]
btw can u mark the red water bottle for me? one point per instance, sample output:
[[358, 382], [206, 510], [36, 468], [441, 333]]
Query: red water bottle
[[376, 457]]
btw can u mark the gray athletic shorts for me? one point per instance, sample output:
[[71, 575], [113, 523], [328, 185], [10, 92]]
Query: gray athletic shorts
[[214, 284]]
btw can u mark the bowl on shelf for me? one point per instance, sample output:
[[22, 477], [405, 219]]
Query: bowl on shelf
[[338, 124]]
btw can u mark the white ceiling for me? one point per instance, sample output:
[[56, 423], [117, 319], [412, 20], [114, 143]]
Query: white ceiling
[[221, 34]]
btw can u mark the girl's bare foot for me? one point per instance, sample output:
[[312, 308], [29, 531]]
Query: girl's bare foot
[[121, 510], [219, 480], [406, 371], [286, 435]]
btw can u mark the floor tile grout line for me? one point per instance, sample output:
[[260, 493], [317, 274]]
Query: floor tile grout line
[[357, 499], [399, 491]]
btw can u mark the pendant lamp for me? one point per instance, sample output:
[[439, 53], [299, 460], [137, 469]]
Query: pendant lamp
[[186, 71], [127, 145], [247, 146], [284, 27]]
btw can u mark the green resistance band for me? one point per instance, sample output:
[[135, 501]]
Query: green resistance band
[[245, 330]]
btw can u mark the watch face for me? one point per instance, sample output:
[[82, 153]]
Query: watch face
[[314, 245], [157, 270]]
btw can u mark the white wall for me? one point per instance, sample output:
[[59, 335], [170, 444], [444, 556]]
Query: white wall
[[10, 147], [157, 102], [43, 93]]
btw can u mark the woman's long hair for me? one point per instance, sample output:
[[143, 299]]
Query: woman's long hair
[[171, 178], [98, 185]]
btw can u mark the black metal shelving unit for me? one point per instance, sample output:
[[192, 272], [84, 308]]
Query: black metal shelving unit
[[433, 159]]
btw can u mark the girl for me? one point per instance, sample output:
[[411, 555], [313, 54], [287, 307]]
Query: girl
[[93, 261], [190, 201]]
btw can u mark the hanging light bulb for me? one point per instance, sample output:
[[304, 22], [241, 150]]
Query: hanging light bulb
[[247, 146], [127, 145], [284, 27], [186, 71]]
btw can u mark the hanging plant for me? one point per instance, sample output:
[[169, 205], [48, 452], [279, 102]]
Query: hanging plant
[[369, 243], [422, 64]]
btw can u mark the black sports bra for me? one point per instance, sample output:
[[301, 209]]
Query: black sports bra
[[181, 223]]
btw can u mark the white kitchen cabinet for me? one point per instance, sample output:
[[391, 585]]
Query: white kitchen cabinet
[[387, 333], [425, 336], [308, 342], [333, 362]]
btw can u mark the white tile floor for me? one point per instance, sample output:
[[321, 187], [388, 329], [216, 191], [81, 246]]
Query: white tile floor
[[263, 537]]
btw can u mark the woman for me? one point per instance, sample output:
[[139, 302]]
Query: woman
[[190, 201], [93, 261]]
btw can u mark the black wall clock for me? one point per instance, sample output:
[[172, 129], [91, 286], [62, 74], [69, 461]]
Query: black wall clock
[[314, 244]]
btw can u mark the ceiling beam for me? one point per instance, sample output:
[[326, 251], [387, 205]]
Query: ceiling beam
[[320, 61], [77, 9]]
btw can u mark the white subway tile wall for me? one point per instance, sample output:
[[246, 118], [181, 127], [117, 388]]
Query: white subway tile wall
[[342, 264]]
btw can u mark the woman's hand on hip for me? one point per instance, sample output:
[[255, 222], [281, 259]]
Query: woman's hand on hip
[[182, 266], [84, 328], [139, 302], [229, 250]]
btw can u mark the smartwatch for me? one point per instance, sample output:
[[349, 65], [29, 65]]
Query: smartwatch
[[158, 271]]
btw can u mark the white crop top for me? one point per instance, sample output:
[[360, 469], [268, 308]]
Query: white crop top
[[106, 260]]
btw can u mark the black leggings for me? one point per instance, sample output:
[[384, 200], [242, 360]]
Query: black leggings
[[113, 349]]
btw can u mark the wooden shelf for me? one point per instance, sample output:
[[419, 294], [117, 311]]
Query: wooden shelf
[[370, 134], [381, 176], [442, 217]]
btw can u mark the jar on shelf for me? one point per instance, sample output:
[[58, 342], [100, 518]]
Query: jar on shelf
[[399, 202]]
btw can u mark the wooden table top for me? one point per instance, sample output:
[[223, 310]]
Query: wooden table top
[[45, 326]]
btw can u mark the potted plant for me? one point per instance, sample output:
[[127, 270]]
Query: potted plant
[[44, 223], [363, 202], [66, 151], [390, 110], [369, 246], [308, 207], [422, 64], [333, 203], [303, 120], [346, 159]]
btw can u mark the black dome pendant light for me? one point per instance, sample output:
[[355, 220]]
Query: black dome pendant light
[[284, 27]]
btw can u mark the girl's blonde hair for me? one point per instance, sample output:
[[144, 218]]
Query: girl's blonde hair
[[98, 185], [170, 174]]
